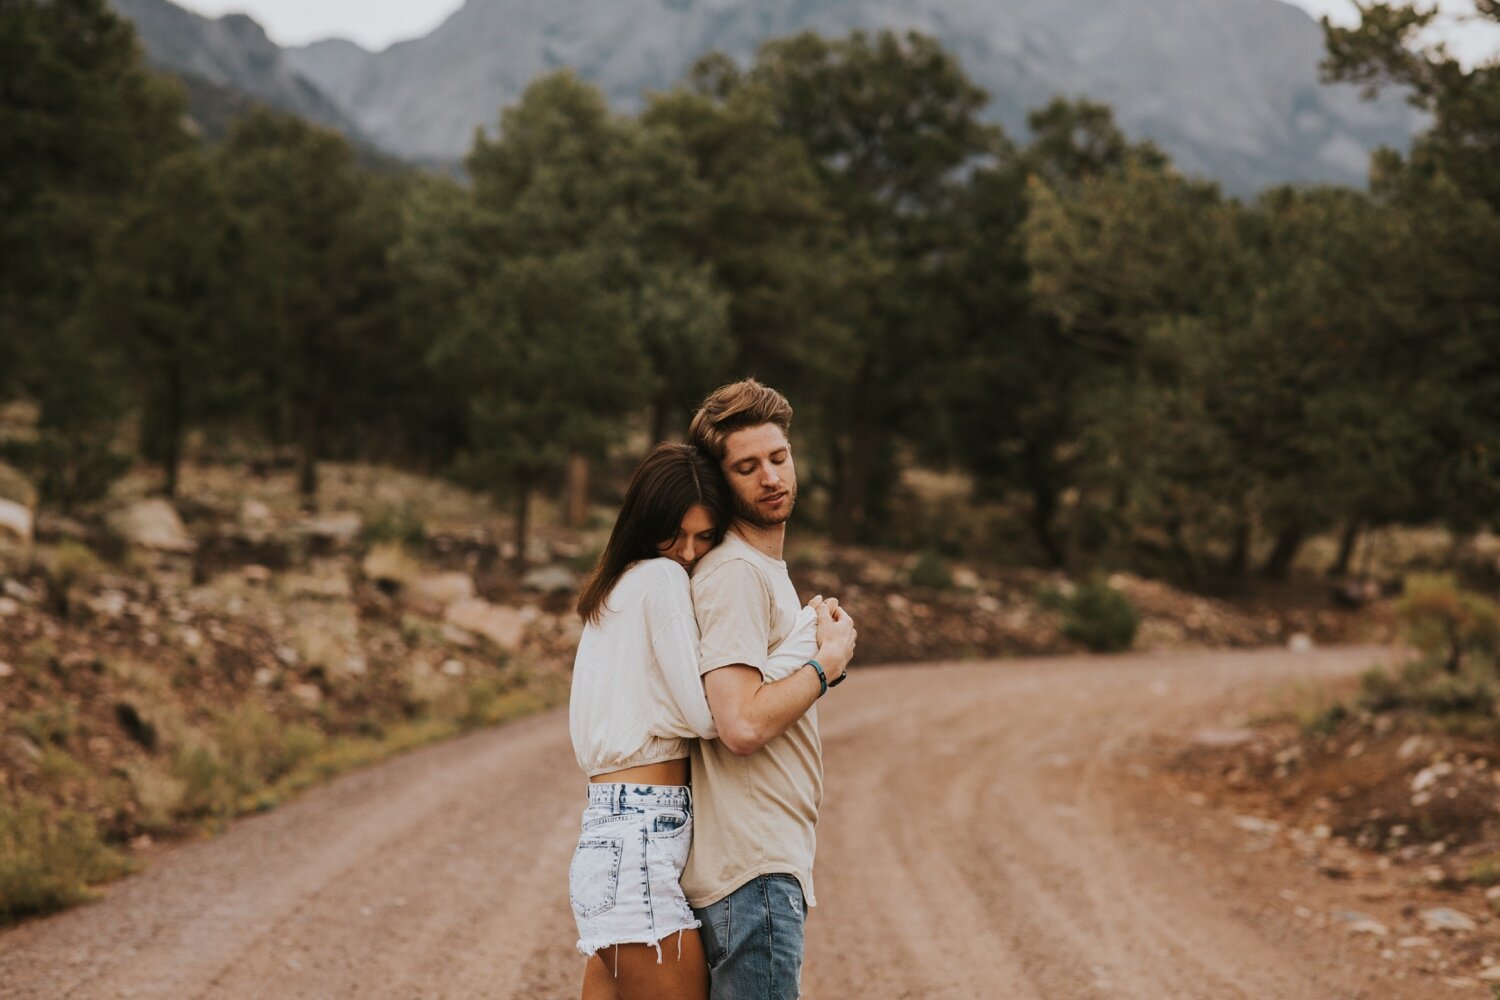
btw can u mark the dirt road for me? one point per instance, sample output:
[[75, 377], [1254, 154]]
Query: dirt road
[[989, 831]]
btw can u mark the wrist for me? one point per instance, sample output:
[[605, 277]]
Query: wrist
[[833, 659]]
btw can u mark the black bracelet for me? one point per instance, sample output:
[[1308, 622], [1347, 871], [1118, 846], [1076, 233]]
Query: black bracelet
[[839, 679], [822, 677]]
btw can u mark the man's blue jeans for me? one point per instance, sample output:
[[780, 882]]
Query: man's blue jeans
[[753, 940]]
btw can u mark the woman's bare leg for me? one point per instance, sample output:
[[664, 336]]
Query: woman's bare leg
[[643, 978], [598, 983]]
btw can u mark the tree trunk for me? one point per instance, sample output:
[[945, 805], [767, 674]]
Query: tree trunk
[[1279, 563], [307, 463], [1347, 543], [1238, 563], [847, 513], [171, 458], [523, 508], [578, 490], [1181, 551], [1043, 510]]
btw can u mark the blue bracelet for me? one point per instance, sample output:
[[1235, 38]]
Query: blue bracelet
[[822, 677]]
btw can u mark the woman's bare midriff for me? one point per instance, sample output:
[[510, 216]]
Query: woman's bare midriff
[[663, 772]]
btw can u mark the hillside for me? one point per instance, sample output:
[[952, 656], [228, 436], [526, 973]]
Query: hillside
[[221, 58], [1229, 87]]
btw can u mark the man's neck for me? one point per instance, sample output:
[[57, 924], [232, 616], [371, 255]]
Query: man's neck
[[769, 539]]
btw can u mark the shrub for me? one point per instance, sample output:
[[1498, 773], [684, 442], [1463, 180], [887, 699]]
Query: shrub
[[1448, 624], [931, 570], [48, 861], [1100, 617], [395, 523]]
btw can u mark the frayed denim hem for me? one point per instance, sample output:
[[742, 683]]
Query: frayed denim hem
[[591, 948]]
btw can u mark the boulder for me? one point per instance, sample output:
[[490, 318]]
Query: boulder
[[152, 524], [503, 626], [334, 529], [438, 590], [553, 579], [15, 522]]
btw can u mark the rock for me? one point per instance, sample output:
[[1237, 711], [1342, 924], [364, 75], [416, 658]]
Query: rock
[[323, 581], [6, 670], [1489, 975], [337, 529], [255, 573], [503, 626], [9, 606], [553, 579], [1444, 918], [19, 591], [1360, 923], [1425, 778], [310, 695], [264, 677], [152, 524], [1254, 824], [985, 602], [964, 578], [1415, 941], [1300, 642], [453, 668], [440, 589], [1223, 738], [15, 521], [455, 636], [255, 517], [390, 565]]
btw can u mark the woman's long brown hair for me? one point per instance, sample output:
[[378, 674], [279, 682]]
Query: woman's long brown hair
[[668, 482]]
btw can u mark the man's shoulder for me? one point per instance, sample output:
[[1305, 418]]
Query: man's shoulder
[[731, 558]]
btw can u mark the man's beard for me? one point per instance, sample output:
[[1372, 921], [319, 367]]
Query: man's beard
[[751, 513]]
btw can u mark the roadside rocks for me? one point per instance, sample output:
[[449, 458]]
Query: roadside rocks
[[503, 626], [152, 524], [15, 522]]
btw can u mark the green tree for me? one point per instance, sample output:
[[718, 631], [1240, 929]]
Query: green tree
[[1446, 195], [301, 308], [82, 124], [891, 124], [161, 295], [540, 341]]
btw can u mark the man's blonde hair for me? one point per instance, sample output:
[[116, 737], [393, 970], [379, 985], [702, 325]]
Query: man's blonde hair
[[734, 407]]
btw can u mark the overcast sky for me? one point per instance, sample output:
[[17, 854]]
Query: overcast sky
[[375, 24]]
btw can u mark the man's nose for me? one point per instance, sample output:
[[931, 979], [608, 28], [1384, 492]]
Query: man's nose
[[769, 474]]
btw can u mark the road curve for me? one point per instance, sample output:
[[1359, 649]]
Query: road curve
[[988, 831]]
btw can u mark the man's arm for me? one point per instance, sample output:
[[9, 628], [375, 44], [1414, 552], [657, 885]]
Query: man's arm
[[751, 712]]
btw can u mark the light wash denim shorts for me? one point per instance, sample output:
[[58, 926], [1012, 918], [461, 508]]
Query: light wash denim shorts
[[625, 880]]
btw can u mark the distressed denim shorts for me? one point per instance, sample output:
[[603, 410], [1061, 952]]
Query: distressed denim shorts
[[625, 880]]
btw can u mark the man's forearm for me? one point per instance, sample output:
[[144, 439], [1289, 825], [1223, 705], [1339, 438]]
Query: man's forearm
[[770, 710]]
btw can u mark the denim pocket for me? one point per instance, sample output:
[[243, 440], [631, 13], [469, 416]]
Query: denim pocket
[[594, 876], [668, 821]]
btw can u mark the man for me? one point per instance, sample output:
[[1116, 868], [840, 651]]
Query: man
[[758, 786]]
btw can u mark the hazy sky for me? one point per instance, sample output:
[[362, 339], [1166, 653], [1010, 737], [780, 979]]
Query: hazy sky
[[377, 23]]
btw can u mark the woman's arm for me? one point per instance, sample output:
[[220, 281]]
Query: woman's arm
[[674, 640]]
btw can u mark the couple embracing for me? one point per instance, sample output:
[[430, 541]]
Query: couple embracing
[[698, 658]]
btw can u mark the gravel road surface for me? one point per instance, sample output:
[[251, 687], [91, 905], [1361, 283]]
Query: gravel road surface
[[990, 830]]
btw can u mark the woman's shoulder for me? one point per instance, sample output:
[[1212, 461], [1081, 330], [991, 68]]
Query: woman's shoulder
[[651, 578]]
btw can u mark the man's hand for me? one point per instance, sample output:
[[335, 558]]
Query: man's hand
[[836, 637]]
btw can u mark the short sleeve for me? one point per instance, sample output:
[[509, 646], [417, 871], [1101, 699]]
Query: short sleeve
[[733, 606]]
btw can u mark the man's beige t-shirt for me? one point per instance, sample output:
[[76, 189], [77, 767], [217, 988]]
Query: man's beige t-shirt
[[753, 815]]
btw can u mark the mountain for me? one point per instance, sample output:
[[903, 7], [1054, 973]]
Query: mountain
[[328, 63], [222, 59], [1229, 87]]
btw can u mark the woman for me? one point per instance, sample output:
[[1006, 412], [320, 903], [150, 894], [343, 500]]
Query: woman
[[637, 700]]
